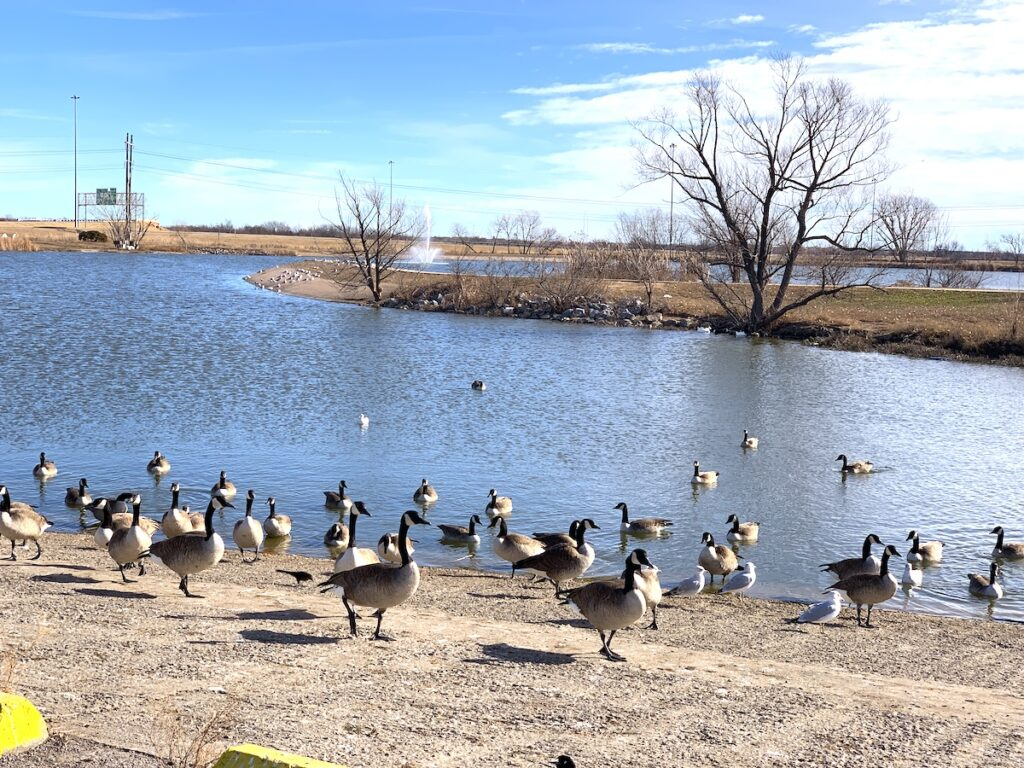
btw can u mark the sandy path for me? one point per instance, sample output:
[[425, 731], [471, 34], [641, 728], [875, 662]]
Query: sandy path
[[491, 672]]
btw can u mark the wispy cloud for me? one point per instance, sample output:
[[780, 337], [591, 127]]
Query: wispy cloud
[[646, 48], [163, 15], [25, 114], [747, 18], [803, 29]]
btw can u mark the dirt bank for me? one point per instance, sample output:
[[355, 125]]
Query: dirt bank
[[490, 672]]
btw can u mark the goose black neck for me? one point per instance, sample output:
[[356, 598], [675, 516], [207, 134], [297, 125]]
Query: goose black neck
[[625, 513], [916, 545], [81, 487], [581, 529], [711, 541], [884, 570], [273, 508], [403, 542], [5, 501], [629, 580], [472, 526], [175, 493], [865, 551], [992, 574], [696, 470], [108, 517], [999, 538], [352, 517], [136, 509], [248, 506], [502, 528], [735, 525], [209, 520]]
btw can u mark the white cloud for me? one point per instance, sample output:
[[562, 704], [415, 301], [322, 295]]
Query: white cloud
[[163, 15], [747, 18], [636, 48], [25, 114], [803, 29]]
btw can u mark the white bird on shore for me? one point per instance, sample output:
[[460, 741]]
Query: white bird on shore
[[692, 586], [742, 580], [821, 612]]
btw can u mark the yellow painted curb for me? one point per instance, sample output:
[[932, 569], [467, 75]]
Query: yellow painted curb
[[253, 756], [21, 725]]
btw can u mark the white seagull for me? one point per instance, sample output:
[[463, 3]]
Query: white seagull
[[692, 586], [364, 421], [821, 613], [741, 580]]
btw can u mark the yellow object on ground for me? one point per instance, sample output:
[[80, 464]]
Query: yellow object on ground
[[252, 756], [21, 725]]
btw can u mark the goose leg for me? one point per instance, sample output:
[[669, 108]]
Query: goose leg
[[558, 591], [184, 587], [654, 618], [612, 655], [868, 624], [351, 617], [242, 553], [142, 567], [604, 645], [257, 557], [13, 556], [39, 551], [123, 577], [376, 634]]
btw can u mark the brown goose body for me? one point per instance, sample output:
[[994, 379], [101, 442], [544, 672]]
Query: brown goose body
[[338, 499], [854, 566], [129, 545], [644, 526], [498, 506], [716, 559], [464, 534], [425, 494], [45, 469], [742, 533], [20, 523], [513, 547], [980, 585], [870, 589], [194, 552], [1006, 550], [563, 562], [158, 465]]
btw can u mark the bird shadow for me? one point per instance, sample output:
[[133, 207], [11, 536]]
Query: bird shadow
[[504, 596], [288, 614], [503, 652], [116, 593], [285, 638], [63, 566], [579, 623], [64, 578]]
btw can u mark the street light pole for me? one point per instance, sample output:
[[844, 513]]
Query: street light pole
[[74, 101], [671, 199], [391, 189]]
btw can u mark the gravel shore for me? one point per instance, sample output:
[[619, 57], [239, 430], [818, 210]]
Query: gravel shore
[[483, 670]]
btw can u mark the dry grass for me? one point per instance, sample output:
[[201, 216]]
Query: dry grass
[[186, 739]]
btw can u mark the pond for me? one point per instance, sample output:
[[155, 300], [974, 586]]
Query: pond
[[108, 357]]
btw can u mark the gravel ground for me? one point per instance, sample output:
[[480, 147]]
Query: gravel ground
[[483, 670]]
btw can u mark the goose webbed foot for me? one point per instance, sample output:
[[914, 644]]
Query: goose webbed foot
[[123, 577], [39, 551], [376, 633]]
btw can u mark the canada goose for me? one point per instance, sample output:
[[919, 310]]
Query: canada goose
[[742, 533], [852, 566], [513, 547], [931, 552], [1004, 549], [649, 526], [748, 441], [196, 552], [276, 526], [868, 588], [21, 523], [364, 421], [124, 520], [129, 545], [353, 556], [554, 539], [105, 531], [822, 612], [562, 562], [378, 585], [45, 469], [339, 499], [610, 607], [692, 586], [742, 580], [336, 536], [649, 583], [856, 467], [982, 587], [912, 577], [118, 506], [247, 532], [224, 487], [461, 534], [387, 548], [158, 465], [425, 494], [78, 497], [478, 385], [175, 521], [498, 506], [717, 559], [703, 478]]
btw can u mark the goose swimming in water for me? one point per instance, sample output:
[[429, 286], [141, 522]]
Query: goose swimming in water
[[856, 467], [45, 469], [644, 526], [462, 534], [224, 487], [158, 465], [339, 499]]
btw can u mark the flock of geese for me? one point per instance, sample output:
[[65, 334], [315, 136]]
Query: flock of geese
[[387, 576]]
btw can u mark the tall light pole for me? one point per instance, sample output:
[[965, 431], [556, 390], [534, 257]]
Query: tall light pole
[[671, 199], [74, 101], [391, 189]]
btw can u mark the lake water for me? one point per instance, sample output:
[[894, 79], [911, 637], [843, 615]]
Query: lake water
[[108, 357]]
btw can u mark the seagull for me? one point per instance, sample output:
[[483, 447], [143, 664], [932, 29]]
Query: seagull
[[364, 421], [692, 586], [821, 613], [741, 580]]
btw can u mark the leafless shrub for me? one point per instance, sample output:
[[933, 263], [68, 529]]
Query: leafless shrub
[[500, 282], [190, 740]]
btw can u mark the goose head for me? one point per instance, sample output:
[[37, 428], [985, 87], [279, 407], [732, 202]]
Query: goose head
[[217, 501], [588, 524], [638, 559], [359, 508], [997, 530], [891, 551], [476, 519], [411, 517]]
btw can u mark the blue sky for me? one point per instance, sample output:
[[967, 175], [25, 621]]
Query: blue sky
[[247, 112]]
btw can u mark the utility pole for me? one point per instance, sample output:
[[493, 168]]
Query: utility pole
[[391, 190], [671, 199], [128, 190], [74, 102]]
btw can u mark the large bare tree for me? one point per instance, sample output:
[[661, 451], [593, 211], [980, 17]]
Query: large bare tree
[[643, 238], [760, 188], [377, 231], [908, 224]]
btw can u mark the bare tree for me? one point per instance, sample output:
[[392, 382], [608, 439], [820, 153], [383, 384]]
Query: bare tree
[[377, 232], [462, 236], [501, 229], [907, 223], [127, 226], [530, 235], [759, 188], [1013, 244], [644, 237]]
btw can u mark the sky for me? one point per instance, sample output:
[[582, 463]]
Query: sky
[[248, 112]]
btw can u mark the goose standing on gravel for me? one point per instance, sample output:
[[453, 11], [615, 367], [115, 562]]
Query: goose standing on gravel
[[742, 533], [930, 552], [158, 465], [649, 583], [130, 545], [855, 467], [459, 534], [868, 588], [20, 523], [749, 441], [610, 607], [982, 587], [852, 566], [498, 506], [645, 526], [708, 477], [338, 499], [188, 555], [224, 487], [716, 559], [692, 586], [387, 548], [336, 536], [378, 585], [248, 532], [80, 496], [513, 547], [175, 521], [45, 469], [1006, 550], [821, 612], [563, 562], [276, 526], [425, 494], [353, 556]]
